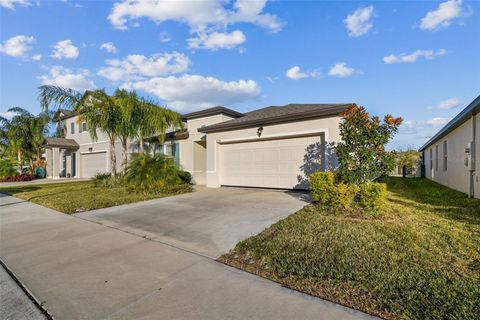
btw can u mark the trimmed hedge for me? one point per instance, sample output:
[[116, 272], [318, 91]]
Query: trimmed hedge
[[368, 197]]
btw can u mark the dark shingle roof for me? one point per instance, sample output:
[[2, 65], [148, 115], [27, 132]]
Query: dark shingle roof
[[66, 113], [278, 114], [464, 115], [211, 112], [60, 143]]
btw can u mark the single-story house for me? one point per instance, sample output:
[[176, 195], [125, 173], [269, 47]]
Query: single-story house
[[452, 156], [273, 147]]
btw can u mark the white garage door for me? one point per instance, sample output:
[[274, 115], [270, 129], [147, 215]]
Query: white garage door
[[93, 163], [282, 163]]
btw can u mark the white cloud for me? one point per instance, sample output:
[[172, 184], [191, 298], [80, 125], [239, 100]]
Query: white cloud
[[359, 22], [437, 121], [193, 92], [64, 49], [443, 16], [217, 40], [109, 47], [295, 73], [7, 114], [10, 4], [341, 70], [137, 67], [63, 77], [409, 58], [446, 104], [165, 37], [197, 14], [17, 46], [36, 57]]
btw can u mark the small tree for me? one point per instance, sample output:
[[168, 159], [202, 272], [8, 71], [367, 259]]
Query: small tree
[[361, 154], [408, 160]]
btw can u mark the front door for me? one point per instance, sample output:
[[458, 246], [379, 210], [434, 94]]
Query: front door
[[74, 164]]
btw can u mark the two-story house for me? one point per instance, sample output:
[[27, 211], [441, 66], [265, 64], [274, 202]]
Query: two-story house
[[273, 147]]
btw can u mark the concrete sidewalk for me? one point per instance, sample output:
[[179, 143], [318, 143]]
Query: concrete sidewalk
[[39, 181], [14, 302], [83, 270]]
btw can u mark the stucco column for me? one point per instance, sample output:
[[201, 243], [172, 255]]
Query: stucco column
[[56, 163], [49, 160]]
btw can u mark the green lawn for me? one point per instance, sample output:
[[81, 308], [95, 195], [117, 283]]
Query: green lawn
[[73, 197], [421, 260]]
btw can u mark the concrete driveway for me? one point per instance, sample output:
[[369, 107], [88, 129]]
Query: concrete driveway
[[208, 221], [82, 270]]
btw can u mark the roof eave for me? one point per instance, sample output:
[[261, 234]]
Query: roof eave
[[472, 109]]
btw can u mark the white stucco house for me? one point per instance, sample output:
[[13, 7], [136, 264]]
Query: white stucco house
[[452, 156], [273, 147]]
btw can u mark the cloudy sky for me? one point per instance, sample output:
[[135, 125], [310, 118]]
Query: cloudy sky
[[418, 60]]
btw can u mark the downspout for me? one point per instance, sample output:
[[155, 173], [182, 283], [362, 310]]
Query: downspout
[[472, 156]]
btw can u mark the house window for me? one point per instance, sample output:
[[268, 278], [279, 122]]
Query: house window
[[436, 158], [84, 127], [445, 155], [72, 127], [172, 150]]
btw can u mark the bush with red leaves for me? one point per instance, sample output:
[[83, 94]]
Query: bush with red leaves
[[20, 177]]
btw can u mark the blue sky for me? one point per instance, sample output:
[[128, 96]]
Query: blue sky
[[415, 59]]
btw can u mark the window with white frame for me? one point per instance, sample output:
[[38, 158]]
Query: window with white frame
[[72, 127], [83, 127], [436, 158], [431, 159]]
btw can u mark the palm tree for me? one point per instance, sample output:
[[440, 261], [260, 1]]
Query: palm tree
[[96, 108], [124, 115], [140, 119], [126, 128], [22, 136], [155, 121]]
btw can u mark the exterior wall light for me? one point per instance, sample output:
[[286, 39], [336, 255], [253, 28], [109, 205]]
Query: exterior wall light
[[90, 149], [259, 131]]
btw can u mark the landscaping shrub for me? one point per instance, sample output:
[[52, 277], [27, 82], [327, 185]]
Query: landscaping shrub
[[108, 180], [321, 184], [7, 168], [19, 178], [371, 196], [342, 196], [185, 176], [365, 198], [148, 173]]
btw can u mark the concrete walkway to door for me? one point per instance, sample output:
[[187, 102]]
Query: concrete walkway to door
[[208, 221], [84, 270]]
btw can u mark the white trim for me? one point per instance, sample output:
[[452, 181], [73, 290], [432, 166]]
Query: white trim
[[276, 136], [93, 151], [88, 143], [209, 117]]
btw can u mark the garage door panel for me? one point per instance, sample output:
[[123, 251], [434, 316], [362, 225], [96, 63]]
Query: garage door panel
[[269, 164], [93, 163]]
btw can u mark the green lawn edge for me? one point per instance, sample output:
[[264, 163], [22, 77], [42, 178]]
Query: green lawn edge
[[74, 197]]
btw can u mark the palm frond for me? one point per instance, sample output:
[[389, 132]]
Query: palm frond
[[58, 97]]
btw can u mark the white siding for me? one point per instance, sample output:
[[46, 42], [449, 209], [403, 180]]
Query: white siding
[[457, 175]]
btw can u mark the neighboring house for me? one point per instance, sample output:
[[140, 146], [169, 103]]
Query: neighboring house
[[273, 147], [452, 156]]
